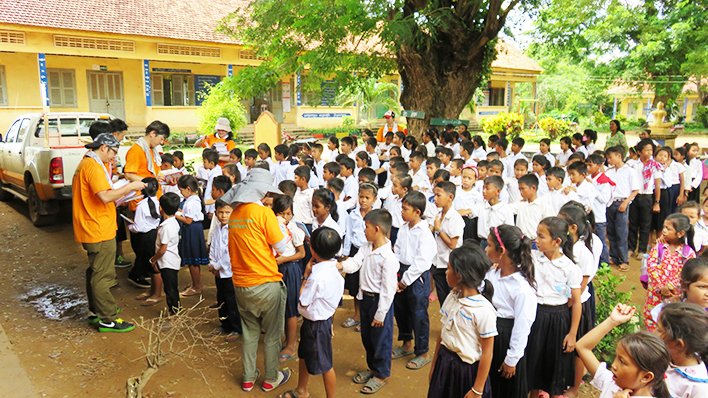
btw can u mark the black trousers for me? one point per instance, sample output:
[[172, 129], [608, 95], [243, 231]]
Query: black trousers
[[228, 308], [441, 286], [169, 283], [640, 220]]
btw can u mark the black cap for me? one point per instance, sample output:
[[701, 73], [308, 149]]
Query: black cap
[[104, 139]]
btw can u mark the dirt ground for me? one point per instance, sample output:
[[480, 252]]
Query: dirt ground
[[44, 312]]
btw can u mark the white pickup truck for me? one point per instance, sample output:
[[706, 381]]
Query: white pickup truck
[[39, 169]]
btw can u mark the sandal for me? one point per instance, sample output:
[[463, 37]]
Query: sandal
[[400, 352], [285, 358], [358, 329], [432, 298], [350, 323], [373, 386], [289, 394], [190, 291], [231, 337], [363, 377], [624, 267], [150, 302], [143, 296], [418, 362]]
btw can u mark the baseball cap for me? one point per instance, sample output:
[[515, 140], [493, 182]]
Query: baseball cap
[[103, 139], [389, 114]]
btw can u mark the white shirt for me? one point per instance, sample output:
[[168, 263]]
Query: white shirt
[[319, 167], [431, 148], [604, 381], [329, 222], [514, 299], [548, 156], [457, 180], [243, 171], [144, 222], [700, 237], [464, 321], [302, 206], [672, 174], [168, 234], [456, 150], [479, 153], [219, 251], [650, 185], [586, 193], [354, 231], [588, 267], [589, 150], [512, 187], [542, 185], [464, 200], [696, 173], [351, 190], [508, 166], [687, 381], [378, 274], [556, 199], [414, 247], [529, 215], [321, 292], [294, 237], [489, 216], [314, 182], [562, 157], [420, 178], [284, 170], [555, 279], [454, 226], [216, 171], [603, 198], [626, 180], [394, 206], [272, 166], [333, 155], [342, 219], [193, 209], [375, 162]]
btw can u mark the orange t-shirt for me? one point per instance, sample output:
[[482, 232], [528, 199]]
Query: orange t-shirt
[[381, 135], [213, 139], [136, 163], [94, 221], [252, 230]]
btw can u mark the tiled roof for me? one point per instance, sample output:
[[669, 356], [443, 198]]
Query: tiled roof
[[510, 58], [176, 19]]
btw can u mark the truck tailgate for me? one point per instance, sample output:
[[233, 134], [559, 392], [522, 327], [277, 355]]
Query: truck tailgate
[[71, 159]]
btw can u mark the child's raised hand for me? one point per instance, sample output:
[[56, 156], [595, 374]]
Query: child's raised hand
[[569, 343], [622, 313]]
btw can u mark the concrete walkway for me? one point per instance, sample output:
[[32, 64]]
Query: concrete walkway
[[14, 379]]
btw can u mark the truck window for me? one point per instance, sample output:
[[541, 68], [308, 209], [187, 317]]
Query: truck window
[[68, 128], [11, 135], [24, 128]]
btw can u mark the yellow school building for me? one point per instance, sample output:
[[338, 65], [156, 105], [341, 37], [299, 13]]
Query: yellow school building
[[147, 60], [633, 104]]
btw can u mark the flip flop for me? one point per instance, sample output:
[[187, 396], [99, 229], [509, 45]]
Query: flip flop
[[624, 267], [285, 358], [189, 292], [357, 329], [373, 386], [290, 393], [400, 352], [363, 377], [350, 323], [143, 296], [418, 362], [150, 302], [432, 298], [231, 337]]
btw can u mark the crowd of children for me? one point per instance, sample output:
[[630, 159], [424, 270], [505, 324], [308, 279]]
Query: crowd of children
[[508, 245]]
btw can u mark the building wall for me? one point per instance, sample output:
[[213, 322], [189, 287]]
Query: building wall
[[634, 106]]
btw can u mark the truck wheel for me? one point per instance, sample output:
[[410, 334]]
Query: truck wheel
[[4, 195], [33, 200]]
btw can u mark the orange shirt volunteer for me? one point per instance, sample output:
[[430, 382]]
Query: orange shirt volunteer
[[213, 139], [381, 135], [136, 163], [94, 221], [252, 230]]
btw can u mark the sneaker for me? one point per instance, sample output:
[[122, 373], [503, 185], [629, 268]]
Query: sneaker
[[121, 263], [248, 385], [93, 318], [283, 377], [117, 326], [139, 282]]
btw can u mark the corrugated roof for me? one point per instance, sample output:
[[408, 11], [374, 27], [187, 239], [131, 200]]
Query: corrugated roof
[[510, 58], [175, 19]]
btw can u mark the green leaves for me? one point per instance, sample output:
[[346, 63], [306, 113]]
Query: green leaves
[[222, 101]]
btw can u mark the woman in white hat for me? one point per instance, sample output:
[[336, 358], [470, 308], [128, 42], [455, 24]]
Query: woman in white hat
[[221, 141]]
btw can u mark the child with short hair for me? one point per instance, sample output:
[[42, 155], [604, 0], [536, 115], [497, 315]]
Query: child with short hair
[[235, 156], [220, 267], [302, 199], [456, 171], [336, 185], [143, 232], [168, 161], [410, 305], [317, 304], [491, 213], [496, 168], [692, 210], [249, 160], [544, 147], [532, 209], [378, 287], [517, 144], [585, 190], [167, 260], [625, 190], [555, 197], [420, 178], [330, 170], [467, 196], [351, 186], [448, 228], [394, 202], [211, 165], [264, 154], [466, 343], [219, 187], [317, 150]]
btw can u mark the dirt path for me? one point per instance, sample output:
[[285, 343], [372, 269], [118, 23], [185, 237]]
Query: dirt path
[[44, 310]]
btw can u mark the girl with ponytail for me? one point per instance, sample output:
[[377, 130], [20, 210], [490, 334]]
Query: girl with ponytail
[[550, 361], [515, 301], [143, 234]]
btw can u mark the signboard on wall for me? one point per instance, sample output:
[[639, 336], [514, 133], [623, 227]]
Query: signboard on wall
[[286, 97], [200, 84], [323, 115], [43, 82], [442, 122], [146, 78], [329, 90]]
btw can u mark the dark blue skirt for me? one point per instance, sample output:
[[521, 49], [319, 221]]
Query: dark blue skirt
[[548, 367], [192, 246], [517, 386], [454, 378], [292, 277]]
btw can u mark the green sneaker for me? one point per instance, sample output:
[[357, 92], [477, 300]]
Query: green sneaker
[[117, 326], [93, 318]]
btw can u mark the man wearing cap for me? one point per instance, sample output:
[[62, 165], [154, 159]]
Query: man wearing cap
[[143, 159], [260, 291], [94, 215], [390, 125], [222, 141]]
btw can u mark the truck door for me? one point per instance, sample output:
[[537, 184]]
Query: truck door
[[7, 152], [15, 159]]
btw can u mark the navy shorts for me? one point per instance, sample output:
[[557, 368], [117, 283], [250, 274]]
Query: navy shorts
[[316, 345]]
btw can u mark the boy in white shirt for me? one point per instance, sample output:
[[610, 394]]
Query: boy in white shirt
[[532, 210], [521, 168], [625, 190], [448, 229], [351, 185], [378, 285], [210, 160], [336, 185], [692, 210], [413, 251], [456, 171], [586, 191], [302, 200], [466, 151], [394, 201], [496, 168], [317, 150], [166, 259], [603, 187], [417, 171], [319, 299], [491, 213], [555, 197], [220, 267]]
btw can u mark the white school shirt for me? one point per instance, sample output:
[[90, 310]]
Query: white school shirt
[[603, 198], [216, 171], [272, 166], [687, 381], [516, 157], [375, 161], [321, 292], [354, 231], [294, 237], [319, 167], [597, 248], [302, 206], [378, 274], [604, 381], [333, 155], [696, 173], [351, 189], [542, 185], [168, 234], [479, 153], [405, 153], [464, 321], [193, 209], [431, 148], [242, 170], [329, 222], [174, 189], [414, 247], [512, 187], [588, 267], [687, 176], [589, 150], [489, 216], [586, 193], [650, 186], [700, 237], [626, 180], [314, 182], [457, 180], [420, 178], [556, 199], [464, 200], [562, 157], [284, 170], [514, 299], [144, 222], [342, 219], [555, 279], [394, 206], [508, 163], [548, 156], [219, 251], [456, 150], [454, 226], [672, 173], [530, 214]]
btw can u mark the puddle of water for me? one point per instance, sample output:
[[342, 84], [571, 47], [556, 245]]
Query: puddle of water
[[57, 302]]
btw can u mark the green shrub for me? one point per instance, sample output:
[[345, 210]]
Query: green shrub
[[702, 115], [607, 296], [600, 120], [511, 123], [348, 121], [352, 130], [221, 102], [555, 128]]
